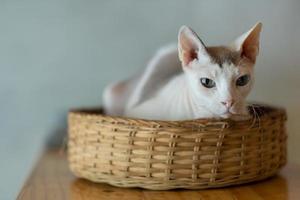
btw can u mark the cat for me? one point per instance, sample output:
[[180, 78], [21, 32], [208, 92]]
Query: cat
[[191, 81]]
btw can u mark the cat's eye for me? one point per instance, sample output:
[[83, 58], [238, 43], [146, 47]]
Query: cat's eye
[[243, 80], [208, 83]]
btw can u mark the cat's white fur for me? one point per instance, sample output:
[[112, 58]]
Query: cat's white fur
[[170, 90]]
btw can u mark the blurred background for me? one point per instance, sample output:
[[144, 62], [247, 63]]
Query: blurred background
[[59, 54]]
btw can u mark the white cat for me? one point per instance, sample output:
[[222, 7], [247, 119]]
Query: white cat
[[204, 82]]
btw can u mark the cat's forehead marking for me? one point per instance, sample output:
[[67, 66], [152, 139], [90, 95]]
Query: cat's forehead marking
[[221, 55]]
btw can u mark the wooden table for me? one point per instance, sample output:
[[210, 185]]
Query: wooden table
[[51, 179]]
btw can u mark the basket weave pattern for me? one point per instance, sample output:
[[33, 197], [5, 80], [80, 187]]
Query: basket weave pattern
[[190, 154]]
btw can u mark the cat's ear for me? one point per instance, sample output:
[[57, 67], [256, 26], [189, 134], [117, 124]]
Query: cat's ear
[[190, 46], [248, 43]]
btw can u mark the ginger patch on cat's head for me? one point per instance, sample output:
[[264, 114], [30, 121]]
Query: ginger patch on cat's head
[[222, 54]]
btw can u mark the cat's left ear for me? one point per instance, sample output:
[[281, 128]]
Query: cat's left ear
[[248, 43], [190, 46]]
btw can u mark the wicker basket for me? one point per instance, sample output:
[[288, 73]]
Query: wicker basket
[[163, 155]]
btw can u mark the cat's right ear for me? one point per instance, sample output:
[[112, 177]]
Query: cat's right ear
[[190, 46]]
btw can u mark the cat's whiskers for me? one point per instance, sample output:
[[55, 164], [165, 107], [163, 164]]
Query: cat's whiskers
[[255, 115]]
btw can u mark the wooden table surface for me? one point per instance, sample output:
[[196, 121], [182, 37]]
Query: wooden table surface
[[51, 179]]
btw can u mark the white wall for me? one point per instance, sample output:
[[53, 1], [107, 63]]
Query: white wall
[[59, 54]]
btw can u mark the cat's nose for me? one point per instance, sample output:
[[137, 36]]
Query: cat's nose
[[228, 103]]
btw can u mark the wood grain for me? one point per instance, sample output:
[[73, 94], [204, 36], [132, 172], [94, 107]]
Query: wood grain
[[51, 179]]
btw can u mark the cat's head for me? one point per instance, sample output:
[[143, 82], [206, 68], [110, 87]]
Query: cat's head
[[220, 77]]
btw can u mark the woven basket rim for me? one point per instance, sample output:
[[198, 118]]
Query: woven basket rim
[[265, 111]]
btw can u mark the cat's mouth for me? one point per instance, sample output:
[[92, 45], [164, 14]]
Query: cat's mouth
[[228, 114], [232, 115]]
